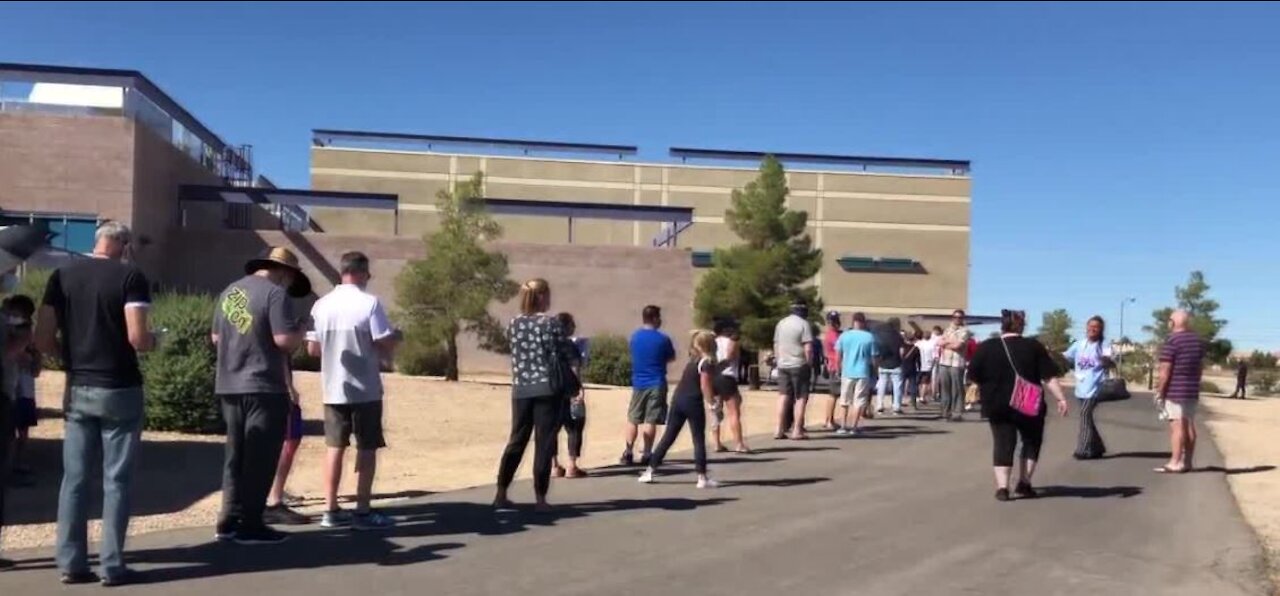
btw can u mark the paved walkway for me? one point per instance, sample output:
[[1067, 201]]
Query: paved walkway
[[906, 510]]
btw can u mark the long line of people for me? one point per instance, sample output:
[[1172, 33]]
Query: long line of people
[[94, 318]]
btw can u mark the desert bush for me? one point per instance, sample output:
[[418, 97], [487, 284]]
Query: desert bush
[[608, 361], [1265, 383], [178, 375], [1209, 387]]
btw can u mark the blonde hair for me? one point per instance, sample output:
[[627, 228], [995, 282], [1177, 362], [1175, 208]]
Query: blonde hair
[[702, 344], [535, 296]]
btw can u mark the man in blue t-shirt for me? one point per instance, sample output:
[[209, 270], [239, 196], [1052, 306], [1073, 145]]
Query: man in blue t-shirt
[[857, 351], [651, 351]]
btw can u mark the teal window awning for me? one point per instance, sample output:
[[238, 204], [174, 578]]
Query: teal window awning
[[861, 264]]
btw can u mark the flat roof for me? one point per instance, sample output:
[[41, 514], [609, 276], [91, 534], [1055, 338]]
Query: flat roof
[[288, 196], [45, 73], [622, 212], [686, 153], [325, 137]]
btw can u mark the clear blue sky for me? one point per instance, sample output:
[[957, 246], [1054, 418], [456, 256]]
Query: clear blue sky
[[1115, 147]]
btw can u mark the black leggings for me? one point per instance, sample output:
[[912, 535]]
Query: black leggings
[[1006, 427], [692, 410], [574, 429], [6, 438], [541, 417]]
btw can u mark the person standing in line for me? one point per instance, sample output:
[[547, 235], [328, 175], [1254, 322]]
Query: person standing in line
[[1242, 376], [1178, 391], [22, 368], [911, 367], [651, 352], [831, 359], [951, 367], [1090, 359], [792, 338], [278, 512], [255, 331], [352, 337], [94, 317], [998, 364], [574, 417], [857, 353], [538, 391], [889, 347], [693, 396], [929, 356], [726, 384]]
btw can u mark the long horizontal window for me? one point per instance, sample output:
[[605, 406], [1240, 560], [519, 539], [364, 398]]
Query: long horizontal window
[[859, 264]]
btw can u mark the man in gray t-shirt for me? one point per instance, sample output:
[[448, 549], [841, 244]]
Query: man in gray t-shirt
[[255, 332], [791, 341]]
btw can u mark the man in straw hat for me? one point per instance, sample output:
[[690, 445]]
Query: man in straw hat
[[255, 331]]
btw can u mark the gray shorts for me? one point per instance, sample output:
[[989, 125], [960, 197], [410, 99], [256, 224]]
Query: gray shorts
[[794, 382], [364, 420], [648, 406]]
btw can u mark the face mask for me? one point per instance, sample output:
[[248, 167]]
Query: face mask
[[8, 283]]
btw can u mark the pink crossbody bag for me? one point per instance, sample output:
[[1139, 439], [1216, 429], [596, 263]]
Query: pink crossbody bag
[[1027, 396]]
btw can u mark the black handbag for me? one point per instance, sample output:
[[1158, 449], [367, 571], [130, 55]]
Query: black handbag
[[1113, 389]]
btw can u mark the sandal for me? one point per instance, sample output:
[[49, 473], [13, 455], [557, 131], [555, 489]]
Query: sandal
[[577, 473], [722, 449], [1168, 470], [744, 451]]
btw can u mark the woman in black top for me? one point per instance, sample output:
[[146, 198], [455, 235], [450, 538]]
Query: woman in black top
[[538, 345], [693, 396], [996, 365]]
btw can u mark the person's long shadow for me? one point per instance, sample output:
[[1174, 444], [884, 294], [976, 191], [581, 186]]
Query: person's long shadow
[[1233, 471], [1088, 492], [772, 450], [1138, 455], [335, 548], [683, 465], [778, 483]]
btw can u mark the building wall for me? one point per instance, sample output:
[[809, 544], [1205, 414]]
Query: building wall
[[604, 287], [159, 169], [66, 164], [926, 218]]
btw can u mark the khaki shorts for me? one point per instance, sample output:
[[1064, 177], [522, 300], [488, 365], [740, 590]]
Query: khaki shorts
[[855, 393], [1178, 409], [648, 406]]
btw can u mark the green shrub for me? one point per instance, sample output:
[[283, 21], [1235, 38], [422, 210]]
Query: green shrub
[[302, 360], [179, 374], [421, 358], [1264, 383], [1209, 387], [608, 361]]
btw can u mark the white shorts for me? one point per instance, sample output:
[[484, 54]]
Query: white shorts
[[1178, 409], [855, 392]]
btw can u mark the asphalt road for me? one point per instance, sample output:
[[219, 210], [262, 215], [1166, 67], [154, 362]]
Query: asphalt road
[[908, 509]]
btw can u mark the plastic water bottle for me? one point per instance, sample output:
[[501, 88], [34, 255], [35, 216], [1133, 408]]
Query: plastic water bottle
[[578, 409]]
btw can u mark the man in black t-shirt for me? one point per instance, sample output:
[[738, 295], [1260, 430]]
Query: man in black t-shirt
[[94, 318], [889, 347]]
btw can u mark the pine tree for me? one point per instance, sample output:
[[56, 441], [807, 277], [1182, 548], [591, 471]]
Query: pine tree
[[450, 290], [755, 282]]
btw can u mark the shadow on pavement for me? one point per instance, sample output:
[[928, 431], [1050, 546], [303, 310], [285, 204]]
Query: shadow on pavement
[[1088, 492], [778, 483], [1139, 455], [1233, 471], [769, 450], [335, 548]]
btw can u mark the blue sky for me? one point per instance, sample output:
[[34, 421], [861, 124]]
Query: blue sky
[[1116, 147]]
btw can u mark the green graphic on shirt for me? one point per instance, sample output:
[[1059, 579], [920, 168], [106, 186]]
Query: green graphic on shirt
[[235, 306]]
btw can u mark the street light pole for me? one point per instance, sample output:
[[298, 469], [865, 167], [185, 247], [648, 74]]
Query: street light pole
[[1120, 353]]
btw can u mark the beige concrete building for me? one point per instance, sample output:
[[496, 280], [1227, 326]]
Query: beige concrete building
[[894, 242]]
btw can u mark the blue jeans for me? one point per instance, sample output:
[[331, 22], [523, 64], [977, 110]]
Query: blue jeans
[[106, 421], [889, 378]]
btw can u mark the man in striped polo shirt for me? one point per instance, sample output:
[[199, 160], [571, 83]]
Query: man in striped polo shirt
[[1178, 393]]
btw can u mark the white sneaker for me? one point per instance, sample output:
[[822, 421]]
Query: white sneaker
[[707, 483], [646, 477], [844, 432]]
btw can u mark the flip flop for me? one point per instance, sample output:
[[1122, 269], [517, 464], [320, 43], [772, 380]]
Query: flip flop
[[1168, 470], [722, 449], [779, 437], [744, 452]]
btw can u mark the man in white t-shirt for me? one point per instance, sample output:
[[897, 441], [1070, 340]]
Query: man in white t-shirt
[[352, 337]]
